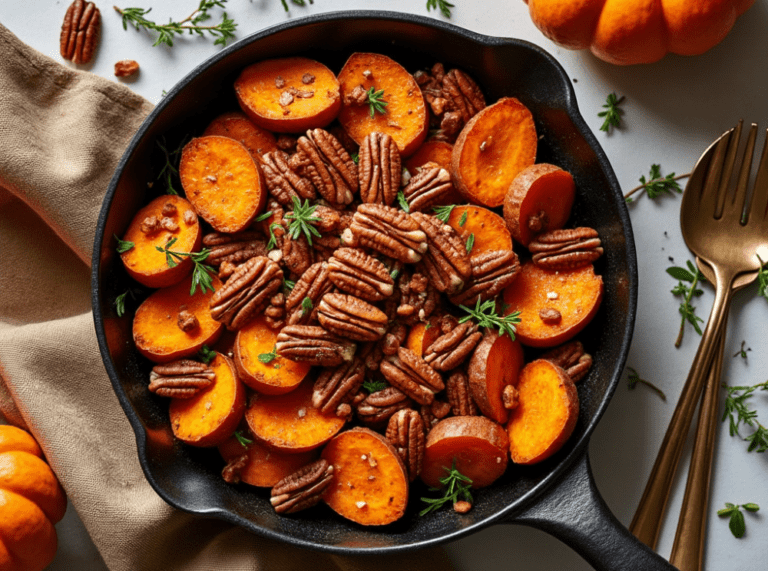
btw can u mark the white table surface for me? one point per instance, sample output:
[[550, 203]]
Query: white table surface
[[673, 110]]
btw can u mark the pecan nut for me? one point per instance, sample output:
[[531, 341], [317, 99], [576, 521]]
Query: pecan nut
[[80, 32], [181, 379], [566, 249], [418, 297], [376, 409], [351, 317], [459, 395], [463, 93], [302, 489], [451, 349], [380, 169], [275, 311], [359, 274], [492, 271], [409, 373], [233, 470], [313, 284], [234, 248], [335, 387], [446, 262], [247, 292], [324, 160], [572, 358], [283, 182], [405, 431], [510, 397], [314, 345], [430, 185], [126, 67], [388, 231], [433, 413]]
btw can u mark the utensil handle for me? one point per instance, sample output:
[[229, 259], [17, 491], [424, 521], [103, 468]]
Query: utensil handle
[[648, 518], [574, 512]]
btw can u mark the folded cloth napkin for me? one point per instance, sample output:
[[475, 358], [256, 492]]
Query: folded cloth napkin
[[61, 135]]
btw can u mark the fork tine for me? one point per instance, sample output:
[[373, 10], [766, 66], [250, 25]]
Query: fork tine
[[708, 197], [730, 160], [759, 206], [734, 208]]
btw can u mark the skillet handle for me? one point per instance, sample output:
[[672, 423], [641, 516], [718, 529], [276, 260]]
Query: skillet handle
[[574, 512]]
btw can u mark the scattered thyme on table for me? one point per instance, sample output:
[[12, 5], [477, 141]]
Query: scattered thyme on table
[[170, 170], [612, 112], [633, 377], [737, 523], [693, 276], [737, 413], [442, 5], [657, 185]]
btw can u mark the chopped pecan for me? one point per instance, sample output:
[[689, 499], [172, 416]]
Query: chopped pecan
[[351, 317], [372, 354], [283, 182], [355, 272], [462, 507], [459, 395], [302, 489], [330, 219], [446, 262], [231, 472], [430, 185], [126, 67], [376, 409], [510, 396], [181, 379], [405, 431], [322, 158], [150, 225], [566, 249], [379, 169], [247, 292], [451, 349], [571, 357], [418, 297], [298, 255], [314, 345], [408, 372], [313, 284], [275, 311], [550, 315], [492, 271], [187, 321], [338, 386], [433, 413], [234, 248], [80, 32], [463, 93], [396, 336], [387, 230], [357, 97]]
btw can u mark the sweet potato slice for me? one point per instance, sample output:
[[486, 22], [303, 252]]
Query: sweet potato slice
[[259, 367], [289, 423], [422, 335], [211, 416], [143, 261], [264, 467], [554, 305], [479, 448], [438, 152], [235, 125], [546, 414], [222, 182], [288, 95], [156, 329], [538, 200], [489, 229], [496, 363], [406, 117], [492, 148], [370, 484]]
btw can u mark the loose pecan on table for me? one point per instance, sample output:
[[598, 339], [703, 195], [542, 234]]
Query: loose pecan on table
[[430, 185], [453, 348], [571, 357], [409, 373], [351, 317], [302, 489], [234, 248], [376, 409], [80, 32], [313, 284], [181, 379], [283, 182], [492, 271], [338, 386], [387, 230], [126, 67], [459, 395], [314, 345], [566, 249], [379, 169], [322, 158], [446, 261], [405, 431], [355, 272]]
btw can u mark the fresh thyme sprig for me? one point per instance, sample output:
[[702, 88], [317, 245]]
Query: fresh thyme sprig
[[656, 185], [123, 245], [301, 220], [272, 238], [374, 386], [263, 217], [443, 5], [634, 378], [736, 523], [403, 201], [687, 311], [244, 442], [202, 275], [223, 31], [612, 112], [443, 213], [486, 316], [376, 101], [297, 2], [267, 358], [454, 485], [762, 278], [206, 354], [736, 412], [170, 171], [742, 352]]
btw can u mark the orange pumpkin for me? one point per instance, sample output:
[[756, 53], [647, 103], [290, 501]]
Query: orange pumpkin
[[636, 31], [31, 502]]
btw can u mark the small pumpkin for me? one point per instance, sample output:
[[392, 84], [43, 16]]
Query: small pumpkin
[[626, 32], [31, 502]]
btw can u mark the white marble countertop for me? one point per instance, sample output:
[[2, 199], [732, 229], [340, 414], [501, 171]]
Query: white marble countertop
[[673, 110]]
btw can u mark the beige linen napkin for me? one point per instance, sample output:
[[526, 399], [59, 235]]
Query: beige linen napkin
[[61, 135]]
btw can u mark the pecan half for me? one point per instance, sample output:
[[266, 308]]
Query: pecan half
[[314, 345], [430, 185], [571, 357], [322, 158], [187, 321], [396, 336], [376, 409], [181, 379], [409, 373], [433, 413], [338, 386], [275, 311], [80, 32], [283, 182], [234, 248], [302, 489], [380, 169], [446, 262], [387, 230], [313, 284], [451, 349], [492, 271], [459, 395], [405, 431], [298, 255], [247, 292], [355, 272], [566, 249], [463, 93], [351, 317], [232, 471]]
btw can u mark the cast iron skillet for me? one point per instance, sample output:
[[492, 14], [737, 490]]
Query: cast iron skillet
[[557, 495]]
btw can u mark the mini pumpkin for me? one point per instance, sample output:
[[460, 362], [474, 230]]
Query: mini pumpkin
[[626, 32], [31, 502]]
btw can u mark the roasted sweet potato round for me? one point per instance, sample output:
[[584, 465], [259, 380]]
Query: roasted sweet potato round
[[438, 152], [488, 229], [264, 466], [235, 125], [496, 363]]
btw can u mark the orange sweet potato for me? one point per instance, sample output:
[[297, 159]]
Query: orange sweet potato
[[489, 228], [143, 261], [492, 148], [156, 329], [477, 446], [422, 335], [438, 152], [554, 305], [289, 423], [235, 125], [548, 407], [255, 344], [538, 200], [370, 484], [496, 363], [406, 119], [264, 467], [288, 95], [222, 182], [211, 416]]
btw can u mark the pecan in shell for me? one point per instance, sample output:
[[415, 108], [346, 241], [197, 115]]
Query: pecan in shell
[[459, 395], [234, 248], [376, 409], [283, 182], [572, 358], [302, 489], [247, 292], [446, 262], [566, 249], [338, 386], [380, 169], [351, 317], [359, 274], [181, 379], [409, 373], [313, 284], [405, 431], [430, 185], [80, 32], [322, 158], [314, 345], [492, 271], [387, 230], [451, 349]]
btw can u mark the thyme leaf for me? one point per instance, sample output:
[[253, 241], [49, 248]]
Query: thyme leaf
[[374, 386], [736, 522], [693, 276], [443, 5], [634, 378], [206, 354], [443, 213], [202, 275], [301, 220], [485, 315], [376, 102], [123, 245], [656, 185], [454, 485], [612, 112], [737, 413]]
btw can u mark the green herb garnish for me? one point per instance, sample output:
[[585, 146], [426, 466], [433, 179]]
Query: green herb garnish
[[762, 278], [206, 354], [376, 102], [443, 5], [272, 238], [470, 242], [288, 286], [301, 220], [297, 2], [454, 485], [443, 213], [123, 245], [737, 524], [656, 185], [463, 219], [170, 171], [634, 378], [742, 352], [355, 158], [374, 386], [486, 316], [244, 442], [263, 217], [612, 112], [693, 276], [403, 201], [202, 275], [120, 303], [736, 412], [268, 357], [306, 305]]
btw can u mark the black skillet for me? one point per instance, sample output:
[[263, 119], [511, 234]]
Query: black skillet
[[558, 495]]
